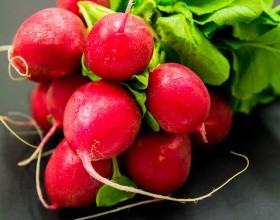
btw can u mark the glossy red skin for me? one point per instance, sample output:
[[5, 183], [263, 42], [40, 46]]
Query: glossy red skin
[[218, 123], [101, 120], [59, 93], [117, 56], [67, 183], [51, 41], [177, 98], [38, 106], [72, 6], [159, 162]]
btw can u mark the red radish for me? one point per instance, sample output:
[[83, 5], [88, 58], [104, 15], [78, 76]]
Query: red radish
[[218, 122], [51, 44], [177, 98], [118, 46], [101, 120], [59, 92], [67, 183], [38, 105], [159, 162], [72, 5]]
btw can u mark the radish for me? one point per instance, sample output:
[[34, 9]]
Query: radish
[[38, 105], [218, 123], [101, 120], [50, 42], [72, 5], [118, 46], [177, 98], [67, 183], [159, 162]]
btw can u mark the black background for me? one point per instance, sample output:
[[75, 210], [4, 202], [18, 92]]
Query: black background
[[253, 195]]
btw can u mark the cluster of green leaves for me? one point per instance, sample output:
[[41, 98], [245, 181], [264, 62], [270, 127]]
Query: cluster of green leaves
[[231, 44]]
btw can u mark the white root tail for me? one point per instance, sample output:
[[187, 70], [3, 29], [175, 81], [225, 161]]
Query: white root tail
[[88, 166]]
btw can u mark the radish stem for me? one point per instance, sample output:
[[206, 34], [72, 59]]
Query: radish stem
[[129, 5]]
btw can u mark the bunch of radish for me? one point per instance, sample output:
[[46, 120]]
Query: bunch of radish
[[101, 120]]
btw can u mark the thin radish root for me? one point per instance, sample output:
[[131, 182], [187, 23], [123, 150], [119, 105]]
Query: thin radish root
[[32, 122], [22, 76], [203, 133], [5, 120], [119, 209], [87, 164], [25, 163], [29, 122], [5, 48], [38, 185], [40, 147]]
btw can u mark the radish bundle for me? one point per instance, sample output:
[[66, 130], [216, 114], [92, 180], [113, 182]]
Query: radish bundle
[[133, 87]]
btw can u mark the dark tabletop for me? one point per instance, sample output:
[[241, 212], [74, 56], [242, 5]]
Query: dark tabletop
[[253, 195]]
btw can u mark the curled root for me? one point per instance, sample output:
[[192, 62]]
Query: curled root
[[12, 60]]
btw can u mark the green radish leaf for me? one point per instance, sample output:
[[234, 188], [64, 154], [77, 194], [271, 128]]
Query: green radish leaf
[[144, 9], [87, 72], [255, 68], [268, 3], [118, 5], [193, 48], [140, 82], [246, 105], [140, 97], [254, 29], [92, 12], [166, 2], [158, 56], [152, 122], [178, 8], [109, 196], [238, 11], [207, 6]]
